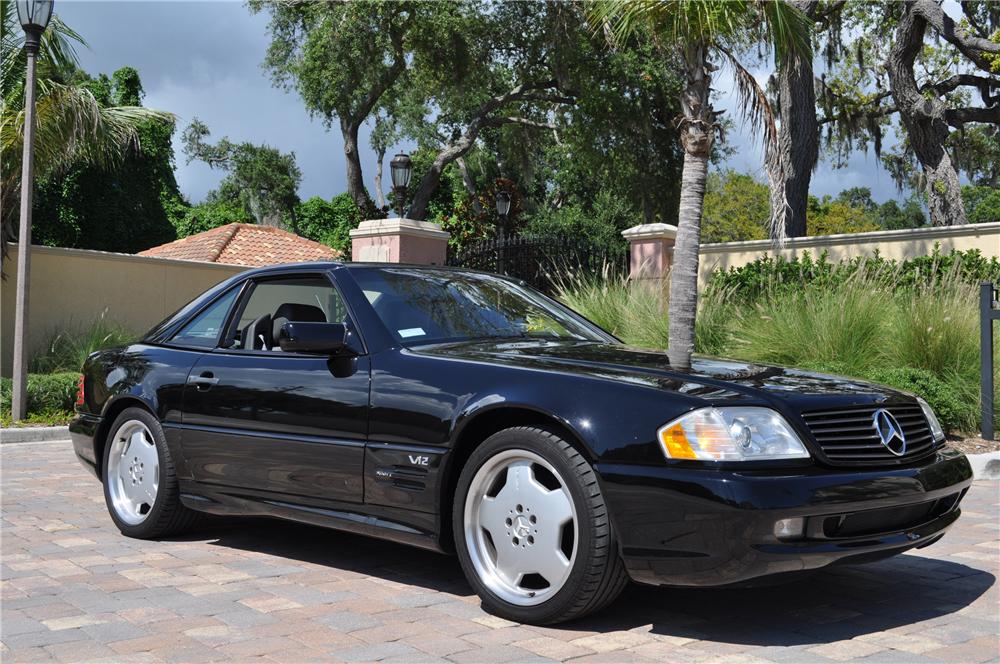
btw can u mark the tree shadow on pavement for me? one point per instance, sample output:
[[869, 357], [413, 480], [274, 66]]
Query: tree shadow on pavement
[[831, 605]]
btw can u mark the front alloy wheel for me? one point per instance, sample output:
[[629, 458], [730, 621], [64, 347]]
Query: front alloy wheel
[[532, 530], [520, 527]]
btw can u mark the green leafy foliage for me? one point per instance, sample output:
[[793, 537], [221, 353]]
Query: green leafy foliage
[[768, 275], [826, 216], [736, 209], [945, 397], [982, 204], [47, 393], [329, 222], [211, 214], [263, 180], [601, 222], [126, 206], [893, 217]]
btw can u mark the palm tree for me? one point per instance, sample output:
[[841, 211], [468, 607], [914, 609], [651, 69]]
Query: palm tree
[[701, 31], [71, 126]]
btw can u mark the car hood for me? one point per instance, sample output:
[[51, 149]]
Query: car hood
[[708, 378]]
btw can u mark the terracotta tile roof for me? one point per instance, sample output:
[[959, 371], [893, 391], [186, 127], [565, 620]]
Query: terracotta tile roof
[[244, 244]]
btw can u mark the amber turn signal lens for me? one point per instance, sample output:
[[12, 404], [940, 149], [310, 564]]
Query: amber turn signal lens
[[676, 444]]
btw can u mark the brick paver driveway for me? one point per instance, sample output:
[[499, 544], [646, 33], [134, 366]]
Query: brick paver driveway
[[74, 589]]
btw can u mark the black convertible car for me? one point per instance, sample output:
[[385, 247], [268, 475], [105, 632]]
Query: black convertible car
[[461, 411]]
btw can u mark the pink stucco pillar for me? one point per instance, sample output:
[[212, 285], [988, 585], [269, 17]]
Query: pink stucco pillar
[[651, 251], [399, 241]]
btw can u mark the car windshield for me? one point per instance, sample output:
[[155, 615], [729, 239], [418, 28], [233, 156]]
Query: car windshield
[[421, 306]]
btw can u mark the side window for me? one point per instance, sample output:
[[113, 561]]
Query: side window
[[272, 303], [204, 329]]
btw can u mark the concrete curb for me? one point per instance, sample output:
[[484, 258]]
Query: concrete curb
[[33, 434], [985, 466]]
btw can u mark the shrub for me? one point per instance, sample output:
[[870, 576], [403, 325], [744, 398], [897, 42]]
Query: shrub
[[46, 392], [945, 397], [767, 276], [67, 349]]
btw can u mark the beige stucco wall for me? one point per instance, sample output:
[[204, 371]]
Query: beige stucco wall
[[69, 288], [890, 244]]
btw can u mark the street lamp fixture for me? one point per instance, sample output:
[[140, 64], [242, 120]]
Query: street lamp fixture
[[503, 208], [401, 168], [34, 16]]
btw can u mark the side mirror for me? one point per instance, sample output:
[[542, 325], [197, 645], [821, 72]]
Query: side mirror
[[319, 338]]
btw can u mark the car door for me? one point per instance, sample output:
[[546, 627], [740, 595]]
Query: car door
[[260, 421]]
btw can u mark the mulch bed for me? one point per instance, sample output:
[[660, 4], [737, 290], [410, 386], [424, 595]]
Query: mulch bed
[[974, 445]]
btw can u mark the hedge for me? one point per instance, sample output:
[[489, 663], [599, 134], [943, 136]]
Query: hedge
[[46, 392]]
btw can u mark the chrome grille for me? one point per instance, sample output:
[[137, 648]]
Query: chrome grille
[[847, 436]]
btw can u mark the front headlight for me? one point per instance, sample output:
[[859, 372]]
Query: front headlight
[[738, 433], [932, 420]]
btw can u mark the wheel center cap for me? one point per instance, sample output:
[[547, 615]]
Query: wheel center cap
[[521, 527]]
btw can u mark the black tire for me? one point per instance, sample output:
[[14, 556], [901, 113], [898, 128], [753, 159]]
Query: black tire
[[598, 575], [167, 516]]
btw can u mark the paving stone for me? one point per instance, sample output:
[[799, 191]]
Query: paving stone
[[348, 622], [248, 590], [375, 652]]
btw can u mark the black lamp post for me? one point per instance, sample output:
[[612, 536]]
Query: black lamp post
[[34, 16], [503, 209], [401, 168]]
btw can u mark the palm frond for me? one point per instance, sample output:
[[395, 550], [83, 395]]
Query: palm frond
[[72, 126], [57, 51], [788, 29], [760, 119]]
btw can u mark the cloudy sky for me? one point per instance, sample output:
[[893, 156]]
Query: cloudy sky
[[202, 59]]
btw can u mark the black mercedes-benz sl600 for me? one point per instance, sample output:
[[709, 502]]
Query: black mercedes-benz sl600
[[461, 411]]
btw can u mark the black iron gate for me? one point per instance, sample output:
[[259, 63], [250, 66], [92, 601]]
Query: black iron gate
[[542, 260]]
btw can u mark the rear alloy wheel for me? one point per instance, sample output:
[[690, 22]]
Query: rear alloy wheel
[[532, 530], [140, 487], [133, 472]]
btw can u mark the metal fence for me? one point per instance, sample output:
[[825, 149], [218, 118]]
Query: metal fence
[[542, 261]]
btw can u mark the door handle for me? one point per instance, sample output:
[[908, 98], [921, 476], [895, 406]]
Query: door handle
[[204, 381]]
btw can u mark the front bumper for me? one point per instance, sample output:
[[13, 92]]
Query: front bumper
[[704, 527]]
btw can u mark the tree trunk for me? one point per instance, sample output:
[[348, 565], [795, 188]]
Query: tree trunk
[[798, 135], [697, 135], [470, 185], [379, 196], [355, 179], [924, 119], [429, 183]]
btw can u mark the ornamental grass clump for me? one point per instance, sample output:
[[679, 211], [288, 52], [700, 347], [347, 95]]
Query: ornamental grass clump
[[67, 349], [913, 326], [841, 325]]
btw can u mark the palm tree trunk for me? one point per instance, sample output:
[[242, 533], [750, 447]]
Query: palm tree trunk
[[684, 270], [798, 135], [697, 135]]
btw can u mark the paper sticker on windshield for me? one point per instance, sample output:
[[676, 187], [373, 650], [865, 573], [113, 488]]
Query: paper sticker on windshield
[[412, 332]]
